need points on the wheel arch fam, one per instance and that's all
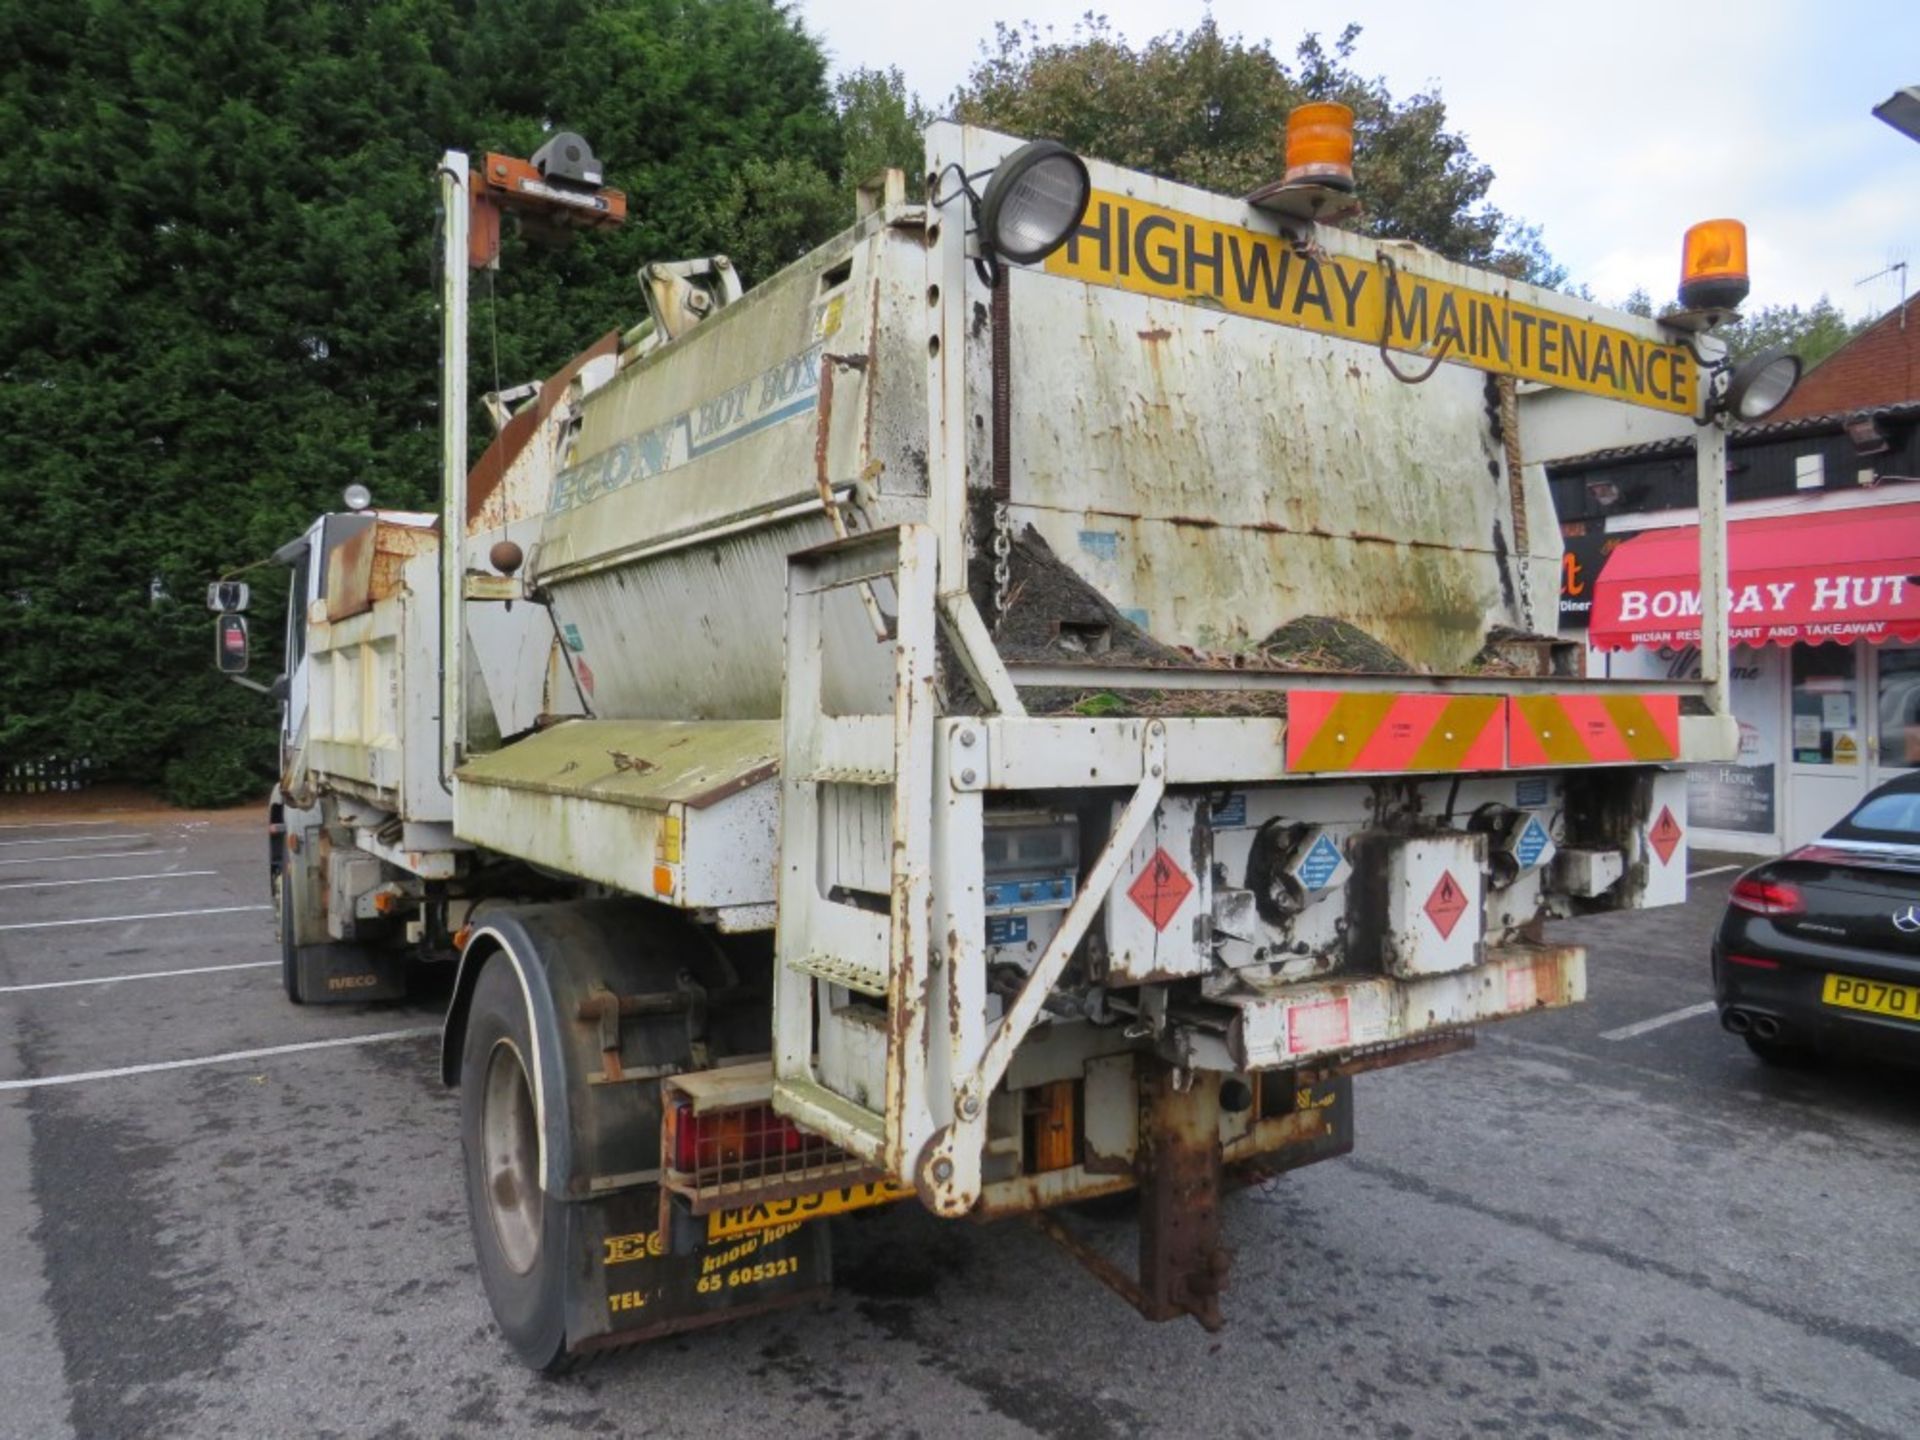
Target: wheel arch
(594, 1136)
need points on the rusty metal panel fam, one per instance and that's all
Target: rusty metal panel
(716, 424)
(349, 589)
(696, 633)
(397, 539)
(647, 764)
(1289, 1024)
(511, 479)
(1216, 477)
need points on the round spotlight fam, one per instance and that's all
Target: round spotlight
(1034, 201)
(1761, 385)
(357, 496)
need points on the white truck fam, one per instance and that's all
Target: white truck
(1020, 706)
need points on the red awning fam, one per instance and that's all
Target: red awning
(1841, 575)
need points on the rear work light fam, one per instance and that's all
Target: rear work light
(737, 1143)
(1768, 897)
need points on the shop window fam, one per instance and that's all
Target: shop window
(1899, 705)
(1825, 729)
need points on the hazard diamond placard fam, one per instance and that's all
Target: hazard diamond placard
(1446, 904)
(1161, 889)
(1665, 835)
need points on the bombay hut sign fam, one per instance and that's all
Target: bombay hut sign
(1838, 575)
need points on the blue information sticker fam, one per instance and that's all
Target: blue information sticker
(1006, 929)
(1231, 811)
(1323, 859)
(1533, 840)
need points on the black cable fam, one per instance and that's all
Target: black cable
(1386, 329)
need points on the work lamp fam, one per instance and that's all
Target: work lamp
(1762, 384)
(1034, 201)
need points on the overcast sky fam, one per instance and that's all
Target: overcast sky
(1613, 127)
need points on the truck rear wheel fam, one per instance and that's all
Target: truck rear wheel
(519, 1231)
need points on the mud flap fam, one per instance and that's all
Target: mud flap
(333, 974)
(627, 1282)
(1283, 1096)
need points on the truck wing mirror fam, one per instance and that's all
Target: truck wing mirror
(227, 596)
(230, 643)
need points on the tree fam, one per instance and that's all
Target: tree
(1812, 333)
(217, 297)
(1209, 109)
(770, 212)
(881, 123)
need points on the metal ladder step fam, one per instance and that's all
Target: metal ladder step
(850, 750)
(811, 1105)
(838, 970)
(882, 778)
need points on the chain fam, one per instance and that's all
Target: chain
(1002, 558)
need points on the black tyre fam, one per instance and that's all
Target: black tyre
(519, 1231)
(1781, 1053)
(289, 959)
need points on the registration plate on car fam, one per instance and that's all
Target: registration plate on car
(1850, 992)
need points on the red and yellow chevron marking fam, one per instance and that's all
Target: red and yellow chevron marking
(1592, 729)
(1335, 730)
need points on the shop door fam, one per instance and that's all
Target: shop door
(1893, 679)
(1827, 738)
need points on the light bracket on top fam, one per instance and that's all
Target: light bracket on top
(1713, 282)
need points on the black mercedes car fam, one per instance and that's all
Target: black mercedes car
(1819, 951)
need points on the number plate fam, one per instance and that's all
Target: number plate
(1877, 997)
(725, 1224)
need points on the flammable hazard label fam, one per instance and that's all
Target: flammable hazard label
(1446, 904)
(1665, 835)
(1161, 889)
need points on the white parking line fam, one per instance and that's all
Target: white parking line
(118, 919)
(137, 975)
(105, 879)
(41, 1081)
(52, 824)
(97, 855)
(1672, 1017)
(79, 839)
(1713, 870)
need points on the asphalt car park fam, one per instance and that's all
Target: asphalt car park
(221, 1215)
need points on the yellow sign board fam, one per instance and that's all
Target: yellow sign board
(724, 1224)
(1133, 245)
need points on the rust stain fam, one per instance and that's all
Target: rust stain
(1024, 1194)
(1155, 335)
(350, 575)
(822, 431)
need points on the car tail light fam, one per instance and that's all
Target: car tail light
(1757, 962)
(1768, 897)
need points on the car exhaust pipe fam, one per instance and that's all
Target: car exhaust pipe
(1737, 1022)
(1766, 1027)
